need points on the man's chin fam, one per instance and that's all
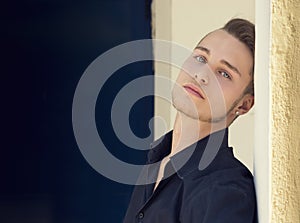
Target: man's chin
(194, 114)
(185, 109)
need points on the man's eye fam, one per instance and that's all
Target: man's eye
(201, 59)
(225, 74)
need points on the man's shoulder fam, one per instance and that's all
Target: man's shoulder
(230, 174)
(227, 194)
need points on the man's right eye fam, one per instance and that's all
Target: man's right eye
(201, 59)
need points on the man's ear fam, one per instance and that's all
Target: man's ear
(246, 104)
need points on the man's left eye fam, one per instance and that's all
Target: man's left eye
(225, 74)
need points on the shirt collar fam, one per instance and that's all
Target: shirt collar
(160, 148)
(188, 160)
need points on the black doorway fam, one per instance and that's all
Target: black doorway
(46, 46)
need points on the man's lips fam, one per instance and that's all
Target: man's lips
(191, 88)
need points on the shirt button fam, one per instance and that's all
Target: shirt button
(141, 215)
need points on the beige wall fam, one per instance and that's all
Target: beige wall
(186, 22)
(285, 133)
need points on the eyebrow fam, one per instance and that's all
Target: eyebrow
(226, 63)
(231, 67)
(203, 49)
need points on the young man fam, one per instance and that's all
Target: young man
(198, 179)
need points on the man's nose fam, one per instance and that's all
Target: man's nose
(203, 74)
(201, 78)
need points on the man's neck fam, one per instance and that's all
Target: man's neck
(187, 131)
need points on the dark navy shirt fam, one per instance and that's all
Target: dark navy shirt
(223, 192)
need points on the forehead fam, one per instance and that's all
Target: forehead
(224, 46)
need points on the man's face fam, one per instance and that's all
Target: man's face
(212, 80)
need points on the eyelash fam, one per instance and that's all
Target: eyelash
(203, 60)
(198, 58)
(227, 75)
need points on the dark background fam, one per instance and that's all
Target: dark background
(45, 47)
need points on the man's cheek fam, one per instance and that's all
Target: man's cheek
(190, 67)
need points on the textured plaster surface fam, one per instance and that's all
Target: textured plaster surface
(285, 79)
